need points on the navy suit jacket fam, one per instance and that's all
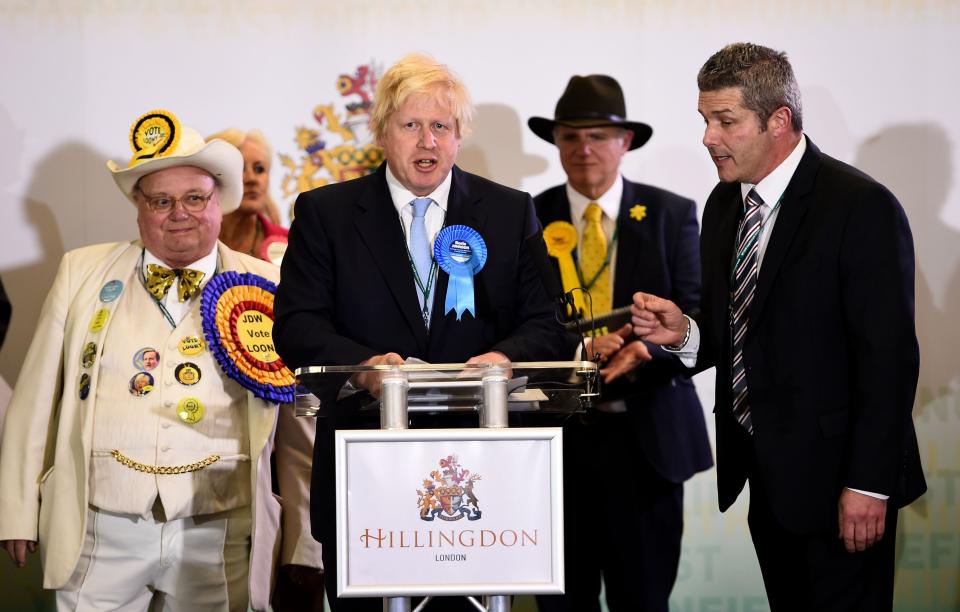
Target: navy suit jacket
(658, 254)
(347, 290)
(831, 353)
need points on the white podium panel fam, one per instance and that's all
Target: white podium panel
(449, 512)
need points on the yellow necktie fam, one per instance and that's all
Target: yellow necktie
(159, 280)
(593, 261)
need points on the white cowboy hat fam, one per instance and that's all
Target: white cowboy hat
(158, 142)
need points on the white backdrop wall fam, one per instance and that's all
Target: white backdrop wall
(880, 89)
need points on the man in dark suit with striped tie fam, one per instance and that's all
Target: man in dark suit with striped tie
(808, 314)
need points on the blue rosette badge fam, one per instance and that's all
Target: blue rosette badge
(460, 252)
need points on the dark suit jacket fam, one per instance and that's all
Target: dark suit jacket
(347, 291)
(831, 353)
(659, 255)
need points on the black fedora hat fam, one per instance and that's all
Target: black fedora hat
(595, 100)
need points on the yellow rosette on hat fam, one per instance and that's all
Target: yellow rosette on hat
(154, 135)
(159, 141)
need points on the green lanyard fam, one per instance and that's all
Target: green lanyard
(606, 262)
(425, 290)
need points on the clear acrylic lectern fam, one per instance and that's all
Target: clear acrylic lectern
(490, 390)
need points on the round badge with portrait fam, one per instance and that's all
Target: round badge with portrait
(140, 384)
(89, 355)
(147, 358)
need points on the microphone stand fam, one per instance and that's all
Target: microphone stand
(592, 377)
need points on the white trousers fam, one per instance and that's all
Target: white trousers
(129, 564)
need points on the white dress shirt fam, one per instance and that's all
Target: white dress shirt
(403, 201)
(610, 204)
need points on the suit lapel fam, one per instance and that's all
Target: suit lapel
(556, 209)
(379, 228)
(631, 238)
(463, 208)
(793, 208)
(727, 237)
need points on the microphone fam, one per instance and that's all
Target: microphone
(564, 299)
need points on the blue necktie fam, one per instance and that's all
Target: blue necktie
(421, 255)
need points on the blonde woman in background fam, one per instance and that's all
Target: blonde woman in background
(254, 228)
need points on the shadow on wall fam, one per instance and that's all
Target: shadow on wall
(55, 198)
(494, 150)
(915, 162)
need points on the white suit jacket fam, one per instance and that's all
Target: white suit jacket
(45, 451)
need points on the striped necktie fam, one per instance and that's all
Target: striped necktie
(741, 296)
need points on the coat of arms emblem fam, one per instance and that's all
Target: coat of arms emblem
(339, 145)
(449, 493)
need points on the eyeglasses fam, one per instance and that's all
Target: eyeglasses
(192, 202)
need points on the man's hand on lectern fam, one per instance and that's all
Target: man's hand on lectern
(371, 380)
(493, 357)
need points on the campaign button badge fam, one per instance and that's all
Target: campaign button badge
(111, 291)
(191, 345)
(99, 320)
(147, 358)
(187, 373)
(141, 383)
(89, 355)
(84, 386)
(190, 410)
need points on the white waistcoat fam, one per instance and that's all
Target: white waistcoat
(146, 426)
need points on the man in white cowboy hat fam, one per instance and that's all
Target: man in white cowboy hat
(611, 237)
(148, 482)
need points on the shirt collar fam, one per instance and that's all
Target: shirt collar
(402, 196)
(609, 201)
(771, 187)
(206, 264)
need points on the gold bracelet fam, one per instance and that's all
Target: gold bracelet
(160, 469)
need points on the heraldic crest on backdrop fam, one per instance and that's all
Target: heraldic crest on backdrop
(338, 145)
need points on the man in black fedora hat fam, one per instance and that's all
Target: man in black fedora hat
(613, 237)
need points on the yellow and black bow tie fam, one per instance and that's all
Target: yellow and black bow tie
(159, 280)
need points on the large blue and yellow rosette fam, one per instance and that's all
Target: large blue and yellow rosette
(460, 252)
(237, 310)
